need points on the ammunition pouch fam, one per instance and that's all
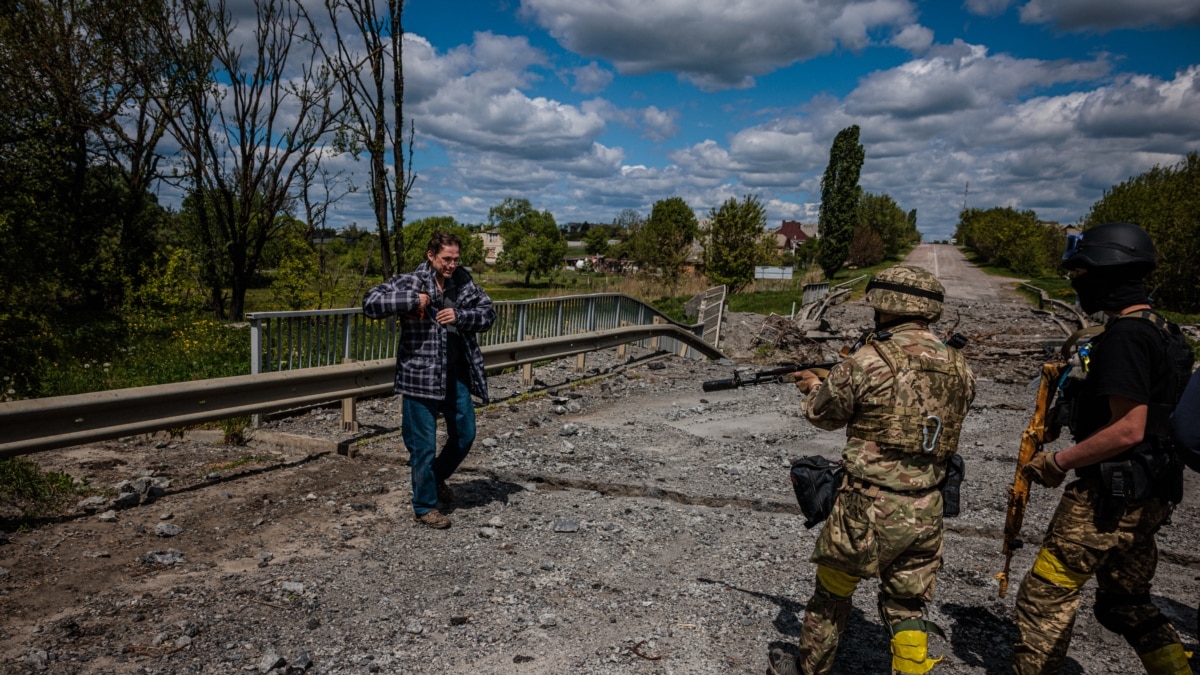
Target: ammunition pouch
(1146, 473)
(816, 480)
(956, 470)
(1118, 480)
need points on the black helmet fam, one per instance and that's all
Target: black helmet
(1110, 245)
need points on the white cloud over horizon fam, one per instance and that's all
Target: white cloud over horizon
(587, 109)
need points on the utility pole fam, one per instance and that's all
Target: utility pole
(966, 190)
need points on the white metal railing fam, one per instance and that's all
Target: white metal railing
(282, 341)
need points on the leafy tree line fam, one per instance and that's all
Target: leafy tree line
(858, 227)
(1164, 200)
(107, 100)
(1006, 237)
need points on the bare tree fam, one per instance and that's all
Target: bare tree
(241, 159)
(362, 76)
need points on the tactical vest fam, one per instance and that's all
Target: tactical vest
(1150, 468)
(1178, 353)
(928, 403)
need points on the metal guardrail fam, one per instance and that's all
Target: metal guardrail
(35, 425)
(281, 341)
(848, 284)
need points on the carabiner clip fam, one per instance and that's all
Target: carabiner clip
(930, 444)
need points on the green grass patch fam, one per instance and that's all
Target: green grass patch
(673, 308)
(154, 352)
(1054, 287)
(33, 492)
(767, 302)
(233, 429)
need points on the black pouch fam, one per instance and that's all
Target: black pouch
(816, 480)
(1118, 482)
(956, 470)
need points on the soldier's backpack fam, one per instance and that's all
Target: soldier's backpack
(815, 481)
(1185, 424)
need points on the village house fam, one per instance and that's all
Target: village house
(792, 233)
(493, 246)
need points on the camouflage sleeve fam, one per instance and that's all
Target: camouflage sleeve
(830, 405)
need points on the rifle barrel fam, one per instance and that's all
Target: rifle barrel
(721, 385)
(763, 376)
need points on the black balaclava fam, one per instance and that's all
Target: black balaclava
(1109, 289)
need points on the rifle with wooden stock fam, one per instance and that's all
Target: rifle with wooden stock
(1032, 440)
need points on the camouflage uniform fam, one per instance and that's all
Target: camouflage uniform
(1123, 560)
(1112, 541)
(887, 520)
(1106, 520)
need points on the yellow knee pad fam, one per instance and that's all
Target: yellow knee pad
(1169, 660)
(910, 652)
(1050, 568)
(836, 582)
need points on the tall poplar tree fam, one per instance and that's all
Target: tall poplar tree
(839, 200)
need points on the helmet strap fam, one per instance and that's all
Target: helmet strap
(907, 290)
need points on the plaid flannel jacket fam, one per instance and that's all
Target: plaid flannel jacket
(421, 359)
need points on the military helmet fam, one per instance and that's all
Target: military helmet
(1110, 245)
(906, 290)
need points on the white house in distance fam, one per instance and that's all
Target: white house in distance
(493, 246)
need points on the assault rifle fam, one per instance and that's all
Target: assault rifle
(779, 374)
(1032, 441)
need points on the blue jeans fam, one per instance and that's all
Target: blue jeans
(418, 427)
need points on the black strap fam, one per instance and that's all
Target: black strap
(1151, 316)
(909, 290)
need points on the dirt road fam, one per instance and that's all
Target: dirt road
(622, 521)
(963, 281)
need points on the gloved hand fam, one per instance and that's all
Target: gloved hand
(1042, 469)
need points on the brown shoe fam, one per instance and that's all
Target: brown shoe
(445, 494)
(434, 519)
(783, 663)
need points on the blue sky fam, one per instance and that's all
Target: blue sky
(589, 107)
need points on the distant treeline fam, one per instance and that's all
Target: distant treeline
(1165, 201)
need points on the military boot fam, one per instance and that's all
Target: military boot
(1169, 660)
(783, 663)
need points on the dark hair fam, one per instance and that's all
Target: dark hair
(441, 240)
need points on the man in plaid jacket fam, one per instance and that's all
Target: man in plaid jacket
(438, 367)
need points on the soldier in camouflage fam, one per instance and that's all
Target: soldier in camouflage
(902, 397)
(1128, 477)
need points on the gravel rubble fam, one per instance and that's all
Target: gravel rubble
(619, 520)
